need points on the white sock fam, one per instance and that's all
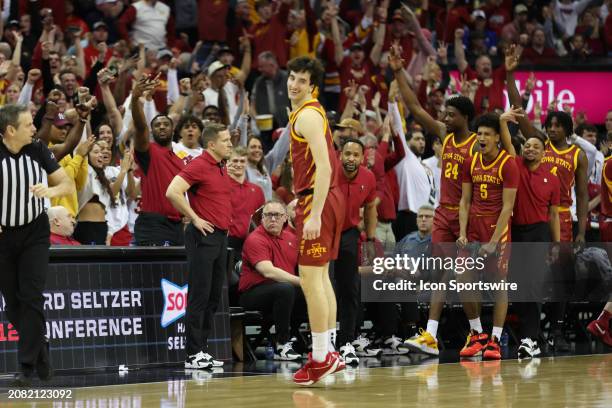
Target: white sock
(497, 332)
(332, 339)
(476, 325)
(432, 327)
(320, 345)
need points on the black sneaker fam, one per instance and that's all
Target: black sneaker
(528, 349)
(285, 352)
(43, 364)
(558, 342)
(23, 379)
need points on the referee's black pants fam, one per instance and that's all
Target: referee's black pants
(207, 263)
(346, 277)
(24, 261)
(527, 269)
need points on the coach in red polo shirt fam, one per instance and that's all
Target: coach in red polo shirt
(246, 198)
(358, 185)
(268, 282)
(206, 180)
(158, 222)
(535, 219)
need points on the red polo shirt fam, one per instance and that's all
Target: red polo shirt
(159, 165)
(210, 192)
(357, 192)
(261, 246)
(246, 199)
(537, 191)
(62, 240)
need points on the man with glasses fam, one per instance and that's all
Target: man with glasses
(268, 282)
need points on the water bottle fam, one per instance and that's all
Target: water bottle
(503, 342)
(166, 243)
(269, 352)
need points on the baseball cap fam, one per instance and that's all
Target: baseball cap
(224, 49)
(164, 53)
(13, 23)
(215, 66)
(350, 124)
(479, 13)
(356, 46)
(60, 120)
(520, 8)
(100, 24)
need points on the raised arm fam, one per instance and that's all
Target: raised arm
(338, 51)
(105, 77)
(141, 130)
(462, 63)
(510, 116)
(512, 59)
(430, 124)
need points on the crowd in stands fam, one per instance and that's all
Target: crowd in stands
(117, 86)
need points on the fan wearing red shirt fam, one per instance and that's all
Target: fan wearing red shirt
(490, 93)
(207, 183)
(487, 199)
(158, 223)
(358, 185)
(458, 146)
(246, 198)
(62, 225)
(268, 282)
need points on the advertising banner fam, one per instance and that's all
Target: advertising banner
(108, 314)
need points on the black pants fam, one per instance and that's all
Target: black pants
(207, 263)
(527, 267)
(236, 244)
(346, 277)
(274, 300)
(404, 224)
(91, 233)
(153, 229)
(24, 261)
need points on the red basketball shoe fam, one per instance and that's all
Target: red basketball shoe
(314, 371)
(475, 344)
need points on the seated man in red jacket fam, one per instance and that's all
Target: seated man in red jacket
(268, 282)
(62, 225)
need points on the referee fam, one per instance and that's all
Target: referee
(209, 207)
(27, 167)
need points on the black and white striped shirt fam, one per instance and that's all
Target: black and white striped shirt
(18, 172)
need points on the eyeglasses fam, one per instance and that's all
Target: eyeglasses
(274, 215)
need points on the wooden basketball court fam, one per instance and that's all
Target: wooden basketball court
(573, 381)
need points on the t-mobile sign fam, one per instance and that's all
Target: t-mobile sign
(588, 92)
